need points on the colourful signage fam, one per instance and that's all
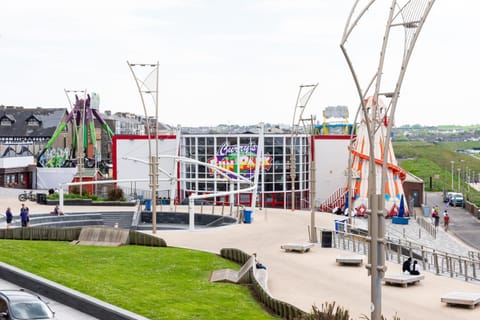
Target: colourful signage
(241, 159)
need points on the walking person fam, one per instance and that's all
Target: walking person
(437, 220)
(446, 220)
(24, 216)
(8, 217)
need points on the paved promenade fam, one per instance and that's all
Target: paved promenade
(314, 278)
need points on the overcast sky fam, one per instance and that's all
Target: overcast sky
(228, 61)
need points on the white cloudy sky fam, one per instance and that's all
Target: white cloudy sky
(227, 61)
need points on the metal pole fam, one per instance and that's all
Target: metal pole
(313, 234)
(452, 162)
(149, 138)
(155, 162)
(459, 170)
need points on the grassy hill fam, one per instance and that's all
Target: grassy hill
(432, 162)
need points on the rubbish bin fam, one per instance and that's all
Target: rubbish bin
(148, 204)
(41, 198)
(426, 211)
(247, 215)
(326, 239)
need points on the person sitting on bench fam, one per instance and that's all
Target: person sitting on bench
(414, 270)
(258, 264)
(406, 265)
(56, 211)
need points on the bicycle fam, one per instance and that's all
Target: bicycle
(27, 196)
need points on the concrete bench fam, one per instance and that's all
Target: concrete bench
(261, 275)
(351, 259)
(230, 275)
(297, 247)
(402, 279)
(470, 299)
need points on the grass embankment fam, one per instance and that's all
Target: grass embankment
(433, 162)
(158, 283)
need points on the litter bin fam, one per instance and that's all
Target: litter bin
(326, 239)
(426, 211)
(148, 204)
(41, 198)
(247, 215)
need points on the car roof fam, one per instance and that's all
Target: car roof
(18, 295)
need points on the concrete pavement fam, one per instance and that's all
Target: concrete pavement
(314, 278)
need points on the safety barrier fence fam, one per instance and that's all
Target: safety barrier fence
(398, 250)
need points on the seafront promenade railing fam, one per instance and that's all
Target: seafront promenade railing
(398, 250)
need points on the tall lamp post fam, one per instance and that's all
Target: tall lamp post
(148, 86)
(452, 162)
(410, 16)
(459, 173)
(462, 173)
(303, 96)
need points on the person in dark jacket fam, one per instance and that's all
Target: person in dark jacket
(8, 217)
(406, 265)
(24, 218)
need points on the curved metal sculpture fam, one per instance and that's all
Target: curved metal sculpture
(82, 115)
(410, 16)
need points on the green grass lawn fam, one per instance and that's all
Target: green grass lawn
(156, 282)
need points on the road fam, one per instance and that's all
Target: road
(62, 312)
(463, 225)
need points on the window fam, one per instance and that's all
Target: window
(5, 122)
(33, 122)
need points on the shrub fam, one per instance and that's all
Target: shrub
(116, 194)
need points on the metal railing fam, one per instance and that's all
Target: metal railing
(398, 250)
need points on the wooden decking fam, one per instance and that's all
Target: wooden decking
(102, 236)
(229, 275)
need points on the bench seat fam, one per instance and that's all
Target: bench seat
(402, 279)
(470, 299)
(298, 247)
(350, 259)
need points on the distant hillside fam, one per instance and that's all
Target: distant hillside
(432, 162)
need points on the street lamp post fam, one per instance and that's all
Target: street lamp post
(452, 162)
(462, 173)
(459, 171)
(411, 17)
(149, 86)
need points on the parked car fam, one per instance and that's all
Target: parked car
(456, 200)
(20, 304)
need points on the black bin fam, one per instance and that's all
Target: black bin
(327, 239)
(41, 198)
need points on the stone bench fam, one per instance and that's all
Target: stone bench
(297, 247)
(402, 279)
(230, 275)
(470, 299)
(351, 259)
(261, 275)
